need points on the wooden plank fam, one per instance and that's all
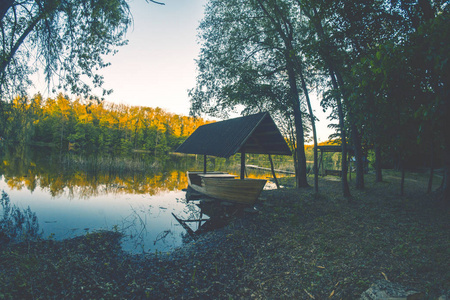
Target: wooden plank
(217, 175)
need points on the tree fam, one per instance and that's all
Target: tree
(249, 57)
(94, 127)
(328, 50)
(400, 85)
(67, 39)
(343, 33)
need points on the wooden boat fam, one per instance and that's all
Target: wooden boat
(225, 186)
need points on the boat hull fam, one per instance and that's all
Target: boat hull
(222, 186)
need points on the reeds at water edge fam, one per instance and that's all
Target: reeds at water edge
(110, 164)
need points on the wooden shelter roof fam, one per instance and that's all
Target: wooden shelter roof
(250, 134)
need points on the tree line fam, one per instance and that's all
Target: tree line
(382, 67)
(91, 126)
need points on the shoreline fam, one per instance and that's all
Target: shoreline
(299, 245)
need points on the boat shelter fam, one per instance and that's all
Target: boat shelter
(257, 134)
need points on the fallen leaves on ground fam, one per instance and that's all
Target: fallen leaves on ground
(300, 245)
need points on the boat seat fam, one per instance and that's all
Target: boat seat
(217, 175)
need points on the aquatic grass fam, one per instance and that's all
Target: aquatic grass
(110, 164)
(17, 225)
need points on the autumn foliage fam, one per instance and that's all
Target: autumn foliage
(89, 126)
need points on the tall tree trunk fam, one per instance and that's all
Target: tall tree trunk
(356, 138)
(332, 72)
(345, 187)
(430, 179)
(378, 172)
(284, 29)
(301, 157)
(357, 148)
(313, 125)
(295, 163)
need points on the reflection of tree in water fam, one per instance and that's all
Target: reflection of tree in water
(136, 228)
(84, 177)
(17, 224)
(202, 216)
(60, 177)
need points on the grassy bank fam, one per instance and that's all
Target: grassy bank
(300, 245)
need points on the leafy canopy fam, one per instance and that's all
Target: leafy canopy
(66, 39)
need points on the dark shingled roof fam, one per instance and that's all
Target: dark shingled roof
(252, 134)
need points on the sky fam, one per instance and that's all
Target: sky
(157, 67)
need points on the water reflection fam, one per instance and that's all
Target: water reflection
(72, 195)
(85, 184)
(142, 218)
(208, 214)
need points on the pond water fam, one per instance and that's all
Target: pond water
(146, 221)
(71, 196)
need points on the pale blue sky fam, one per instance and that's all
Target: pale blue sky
(157, 66)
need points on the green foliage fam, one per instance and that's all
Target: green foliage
(401, 89)
(68, 40)
(388, 62)
(89, 127)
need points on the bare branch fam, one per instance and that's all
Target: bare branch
(156, 2)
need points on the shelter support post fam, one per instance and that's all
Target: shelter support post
(242, 164)
(204, 163)
(321, 162)
(273, 172)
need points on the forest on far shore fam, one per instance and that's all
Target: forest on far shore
(91, 126)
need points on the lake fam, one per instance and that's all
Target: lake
(73, 195)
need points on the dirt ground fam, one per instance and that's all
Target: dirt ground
(300, 245)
